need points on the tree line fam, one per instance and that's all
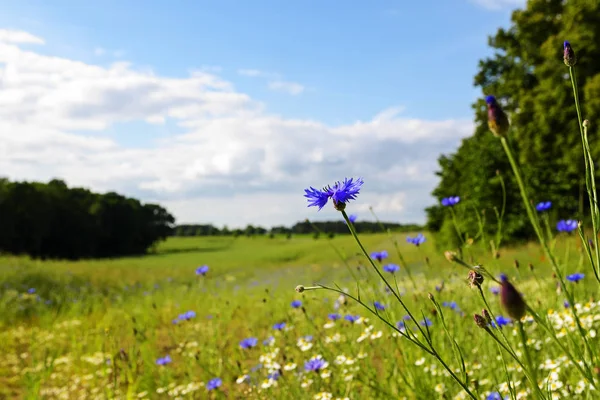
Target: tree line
(51, 220)
(304, 227)
(527, 75)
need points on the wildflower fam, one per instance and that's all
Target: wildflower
(568, 225)
(186, 316)
(163, 360)
(379, 306)
(248, 343)
(334, 317)
(400, 325)
(497, 119)
(242, 379)
(568, 54)
(501, 321)
(450, 304)
(379, 255)
(279, 326)
(269, 341)
(31, 290)
(480, 321)
(391, 268)
(323, 396)
(511, 299)
(214, 383)
(494, 396)
(575, 277)
(300, 288)
(296, 304)
(417, 240)
(495, 290)
(450, 201)
(426, 322)
(543, 206)
(352, 318)
(289, 367)
(340, 194)
(475, 278)
(202, 270)
(450, 255)
(352, 217)
(315, 364)
(566, 304)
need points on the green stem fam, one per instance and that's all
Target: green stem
(523, 337)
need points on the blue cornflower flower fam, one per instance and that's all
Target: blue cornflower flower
(495, 290)
(189, 315)
(248, 343)
(31, 290)
(450, 304)
(352, 318)
(406, 318)
(450, 201)
(315, 364)
(268, 341)
(202, 270)
(379, 305)
(566, 304)
(340, 193)
(568, 54)
(426, 322)
(501, 321)
(274, 375)
(576, 277)
(163, 360)
(568, 225)
(279, 326)
(391, 268)
(400, 325)
(296, 304)
(308, 338)
(417, 240)
(352, 217)
(214, 383)
(379, 255)
(543, 206)
(497, 118)
(495, 396)
(334, 317)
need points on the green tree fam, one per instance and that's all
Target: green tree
(528, 76)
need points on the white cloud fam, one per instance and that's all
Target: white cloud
(499, 4)
(250, 72)
(12, 36)
(232, 161)
(292, 88)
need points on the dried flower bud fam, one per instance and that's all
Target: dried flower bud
(517, 264)
(475, 279)
(299, 288)
(586, 123)
(511, 299)
(480, 321)
(430, 297)
(569, 55)
(497, 118)
(487, 316)
(530, 266)
(450, 255)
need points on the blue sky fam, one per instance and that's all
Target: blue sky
(336, 65)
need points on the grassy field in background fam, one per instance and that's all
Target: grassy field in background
(95, 329)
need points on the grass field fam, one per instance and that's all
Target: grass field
(101, 329)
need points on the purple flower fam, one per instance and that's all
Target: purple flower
(379, 305)
(417, 240)
(296, 304)
(501, 321)
(352, 217)
(163, 360)
(451, 305)
(511, 299)
(31, 290)
(568, 225)
(268, 341)
(495, 290)
(339, 193)
(497, 119)
(274, 375)
(214, 383)
(543, 206)
(334, 317)
(315, 364)
(379, 255)
(450, 201)
(279, 326)
(391, 268)
(568, 54)
(202, 270)
(566, 304)
(248, 343)
(426, 322)
(400, 325)
(576, 277)
(495, 396)
(352, 318)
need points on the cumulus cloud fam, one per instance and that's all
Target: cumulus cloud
(292, 88)
(13, 36)
(231, 162)
(499, 4)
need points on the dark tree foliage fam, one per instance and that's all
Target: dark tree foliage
(54, 221)
(528, 76)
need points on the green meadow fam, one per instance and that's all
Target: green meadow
(100, 329)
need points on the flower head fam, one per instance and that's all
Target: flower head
(426, 322)
(340, 193)
(202, 270)
(379, 255)
(450, 201)
(501, 321)
(352, 217)
(511, 299)
(475, 278)
(379, 306)
(497, 119)
(352, 318)
(163, 360)
(248, 343)
(315, 364)
(279, 326)
(543, 206)
(568, 225)
(296, 304)
(417, 240)
(31, 290)
(391, 268)
(495, 290)
(568, 54)
(576, 277)
(334, 317)
(214, 384)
